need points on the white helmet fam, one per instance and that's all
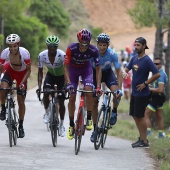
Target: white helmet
(12, 39)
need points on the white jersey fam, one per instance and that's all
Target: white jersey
(57, 68)
(25, 58)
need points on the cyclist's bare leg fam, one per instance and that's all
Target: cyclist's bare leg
(21, 106)
(89, 98)
(3, 93)
(159, 119)
(71, 106)
(61, 108)
(112, 89)
(95, 111)
(46, 101)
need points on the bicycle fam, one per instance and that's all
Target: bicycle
(12, 117)
(54, 112)
(103, 121)
(80, 125)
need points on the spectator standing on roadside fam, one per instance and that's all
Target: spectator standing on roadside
(140, 65)
(157, 100)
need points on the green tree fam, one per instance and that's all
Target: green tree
(52, 13)
(32, 32)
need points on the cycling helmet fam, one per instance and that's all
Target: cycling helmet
(52, 40)
(12, 39)
(103, 37)
(84, 35)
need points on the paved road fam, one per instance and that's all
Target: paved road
(35, 151)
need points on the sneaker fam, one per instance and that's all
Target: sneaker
(89, 125)
(62, 131)
(92, 137)
(70, 133)
(161, 135)
(113, 118)
(135, 142)
(46, 118)
(141, 143)
(3, 115)
(21, 132)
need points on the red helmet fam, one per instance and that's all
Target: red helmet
(84, 35)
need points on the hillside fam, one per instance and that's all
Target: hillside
(112, 17)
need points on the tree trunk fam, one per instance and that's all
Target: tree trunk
(167, 64)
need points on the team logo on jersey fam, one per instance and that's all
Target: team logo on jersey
(135, 67)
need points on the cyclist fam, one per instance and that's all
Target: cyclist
(77, 63)
(107, 57)
(18, 66)
(53, 58)
(155, 105)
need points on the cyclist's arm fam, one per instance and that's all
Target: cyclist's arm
(119, 77)
(98, 75)
(160, 88)
(27, 74)
(40, 77)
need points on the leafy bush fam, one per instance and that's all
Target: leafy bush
(96, 32)
(166, 115)
(32, 32)
(51, 13)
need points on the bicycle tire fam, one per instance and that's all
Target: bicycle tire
(14, 126)
(9, 124)
(99, 129)
(53, 125)
(106, 127)
(79, 127)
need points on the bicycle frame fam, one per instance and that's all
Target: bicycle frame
(12, 118)
(102, 124)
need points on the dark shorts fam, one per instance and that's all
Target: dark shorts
(108, 77)
(138, 106)
(7, 78)
(156, 102)
(51, 80)
(85, 72)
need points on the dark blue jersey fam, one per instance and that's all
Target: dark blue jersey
(140, 71)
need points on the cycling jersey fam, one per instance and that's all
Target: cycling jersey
(25, 58)
(163, 79)
(107, 59)
(79, 59)
(57, 68)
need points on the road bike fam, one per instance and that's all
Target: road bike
(12, 117)
(80, 122)
(53, 112)
(103, 121)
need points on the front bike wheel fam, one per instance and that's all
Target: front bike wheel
(106, 128)
(9, 124)
(79, 127)
(53, 125)
(99, 128)
(14, 126)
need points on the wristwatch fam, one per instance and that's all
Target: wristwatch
(145, 83)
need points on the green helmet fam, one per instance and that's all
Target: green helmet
(52, 40)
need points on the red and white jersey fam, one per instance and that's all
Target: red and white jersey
(25, 58)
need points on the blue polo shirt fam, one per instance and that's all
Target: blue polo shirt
(140, 71)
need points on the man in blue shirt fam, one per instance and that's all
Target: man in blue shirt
(140, 65)
(157, 100)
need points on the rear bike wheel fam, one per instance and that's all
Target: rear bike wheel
(79, 127)
(106, 127)
(9, 124)
(53, 125)
(99, 129)
(14, 126)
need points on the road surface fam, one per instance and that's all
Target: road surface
(35, 151)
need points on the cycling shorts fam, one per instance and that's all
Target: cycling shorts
(156, 102)
(85, 72)
(51, 80)
(138, 105)
(108, 77)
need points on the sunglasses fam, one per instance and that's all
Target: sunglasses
(157, 64)
(52, 46)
